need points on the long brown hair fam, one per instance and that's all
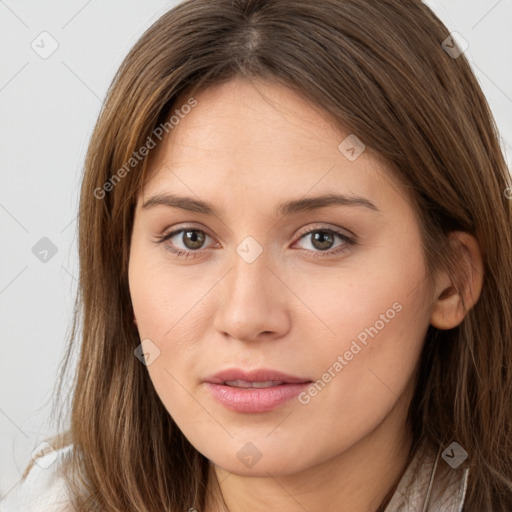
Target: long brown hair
(378, 69)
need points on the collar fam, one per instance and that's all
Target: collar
(425, 486)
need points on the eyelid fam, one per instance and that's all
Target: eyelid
(326, 227)
(173, 230)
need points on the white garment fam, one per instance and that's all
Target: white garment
(45, 490)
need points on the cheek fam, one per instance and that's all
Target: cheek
(169, 307)
(163, 294)
(165, 305)
(382, 293)
(380, 316)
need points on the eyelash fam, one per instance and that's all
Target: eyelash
(348, 242)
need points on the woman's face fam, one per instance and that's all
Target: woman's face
(332, 293)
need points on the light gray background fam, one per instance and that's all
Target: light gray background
(48, 108)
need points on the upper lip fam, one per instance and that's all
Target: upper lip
(258, 375)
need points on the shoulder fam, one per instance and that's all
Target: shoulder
(44, 489)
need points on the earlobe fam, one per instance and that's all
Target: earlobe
(451, 306)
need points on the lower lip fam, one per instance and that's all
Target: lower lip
(255, 400)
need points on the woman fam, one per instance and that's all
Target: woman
(295, 272)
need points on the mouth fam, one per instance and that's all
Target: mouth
(255, 391)
(248, 384)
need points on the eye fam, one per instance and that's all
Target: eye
(191, 240)
(322, 240)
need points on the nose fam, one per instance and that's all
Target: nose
(253, 302)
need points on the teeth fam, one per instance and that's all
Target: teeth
(245, 384)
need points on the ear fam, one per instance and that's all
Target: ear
(448, 308)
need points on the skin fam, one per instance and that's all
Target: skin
(246, 148)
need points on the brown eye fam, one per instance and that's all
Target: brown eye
(322, 240)
(193, 239)
(185, 243)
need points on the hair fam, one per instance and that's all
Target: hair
(376, 69)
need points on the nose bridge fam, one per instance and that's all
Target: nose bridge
(252, 300)
(249, 280)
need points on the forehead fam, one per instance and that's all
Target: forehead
(257, 140)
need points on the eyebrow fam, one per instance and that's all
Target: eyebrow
(284, 209)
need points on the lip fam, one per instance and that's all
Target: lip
(258, 375)
(254, 400)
